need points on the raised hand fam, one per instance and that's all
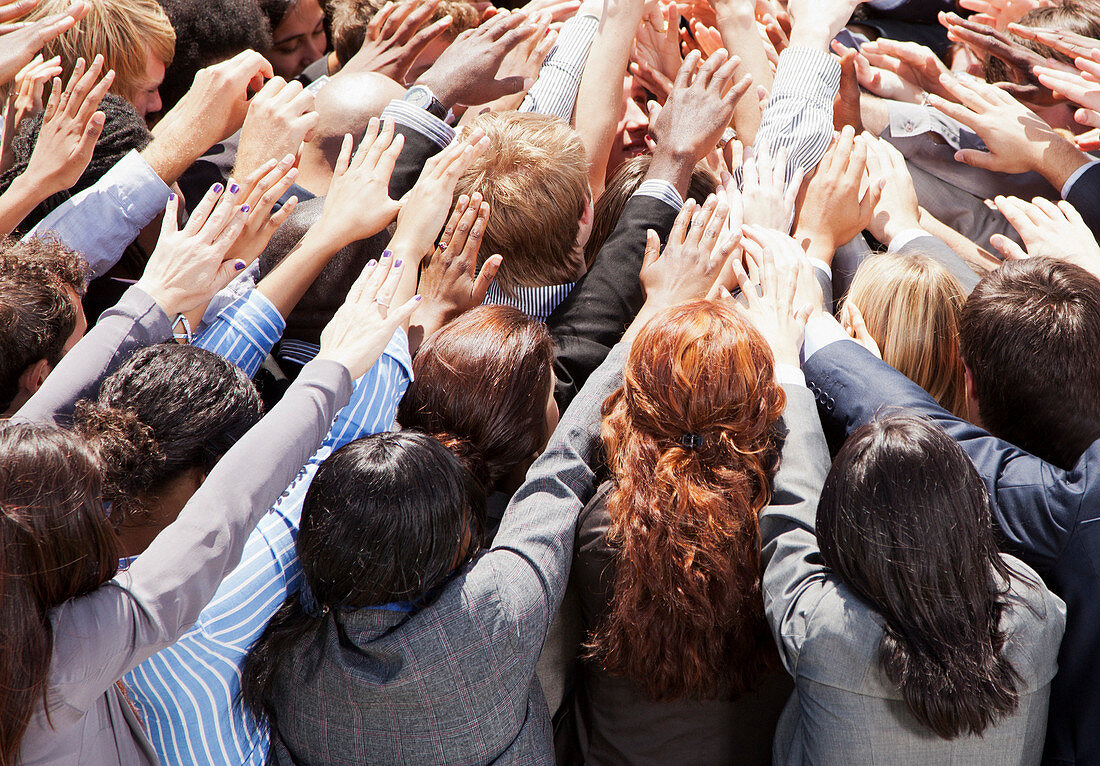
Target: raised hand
(1048, 230)
(190, 265)
(1000, 13)
(1068, 43)
(29, 91)
(358, 203)
(880, 81)
(361, 329)
(396, 36)
(260, 192)
(897, 209)
(656, 56)
(1079, 86)
(985, 41)
(466, 72)
(694, 258)
(425, 208)
(771, 306)
(279, 118)
(910, 62)
(851, 319)
(697, 112)
(767, 196)
(70, 128)
(19, 43)
(450, 282)
(833, 209)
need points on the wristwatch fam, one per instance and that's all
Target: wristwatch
(422, 96)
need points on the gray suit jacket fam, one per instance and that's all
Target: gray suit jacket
(454, 681)
(844, 709)
(101, 636)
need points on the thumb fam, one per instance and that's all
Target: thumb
(485, 278)
(1008, 249)
(652, 249)
(976, 159)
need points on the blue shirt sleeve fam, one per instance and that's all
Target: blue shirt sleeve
(244, 331)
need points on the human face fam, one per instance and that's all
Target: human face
(147, 90)
(633, 127)
(299, 39)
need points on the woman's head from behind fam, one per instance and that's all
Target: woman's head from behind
(912, 305)
(387, 518)
(691, 440)
(56, 545)
(904, 522)
(169, 413)
(483, 385)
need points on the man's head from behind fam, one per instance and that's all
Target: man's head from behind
(535, 178)
(1030, 338)
(41, 318)
(344, 105)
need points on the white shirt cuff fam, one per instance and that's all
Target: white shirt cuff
(904, 237)
(821, 266)
(662, 190)
(789, 375)
(822, 330)
(1076, 174)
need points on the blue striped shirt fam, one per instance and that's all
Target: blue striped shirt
(244, 331)
(187, 693)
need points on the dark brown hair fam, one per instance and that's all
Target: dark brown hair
(904, 522)
(687, 615)
(57, 545)
(1029, 336)
(480, 386)
(37, 310)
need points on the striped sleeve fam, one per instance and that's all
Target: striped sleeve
(244, 332)
(555, 91)
(662, 190)
(799, 112)
(415, 118)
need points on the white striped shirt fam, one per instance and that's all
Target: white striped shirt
(188, 693)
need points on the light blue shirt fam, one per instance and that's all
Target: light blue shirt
(187, 694)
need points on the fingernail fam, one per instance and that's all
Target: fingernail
(417, 298)
(218, 188)
(172, 197)
(239, 265)
(233, 188)
(372, 262)
(245, 208)
(386, 253)
(397, 263)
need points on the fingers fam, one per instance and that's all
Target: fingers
(680, 226)
(652, 249)
(485, 278)
(170, 223)
(1008, 249)
(203, 209)
(272, 187)
(343, 161)
(464, 232)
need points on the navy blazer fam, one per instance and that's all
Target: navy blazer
(1048, 516)
(1085, 196)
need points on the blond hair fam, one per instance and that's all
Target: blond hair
(912, 306)
(121, 30)
(535, 178)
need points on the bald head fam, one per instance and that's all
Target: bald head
(345, 105)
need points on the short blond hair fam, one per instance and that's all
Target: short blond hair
(120, 30)
(535, 178)
(912, 306)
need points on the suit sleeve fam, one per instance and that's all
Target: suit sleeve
(593, 317)
(795, 576)
(1083, 193)
(1035, 504)
(941, 252)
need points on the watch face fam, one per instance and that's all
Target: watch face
(420, 97)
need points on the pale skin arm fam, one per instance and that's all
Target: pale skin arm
(737, 25)
(600, 100)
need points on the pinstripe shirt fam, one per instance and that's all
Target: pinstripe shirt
(244, 331)
(186, 694)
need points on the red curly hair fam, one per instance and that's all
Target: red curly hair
(687, 615)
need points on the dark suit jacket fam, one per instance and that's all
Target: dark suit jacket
(1085, 196)
(591, 320)
(1047, 515)
(941, 252)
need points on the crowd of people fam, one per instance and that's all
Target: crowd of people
(577, 382)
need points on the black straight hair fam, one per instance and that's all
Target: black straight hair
(904, 522)
(387, 518)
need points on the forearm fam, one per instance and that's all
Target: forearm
(137, 321)
(288, 282)
(975, 258)
(555, 91)
(19, 201)
(174, 149)
(737, 26)
(600, 101)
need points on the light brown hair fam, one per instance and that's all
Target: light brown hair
(912, 306)
(535, 177)
(348, 21)
(121, 30)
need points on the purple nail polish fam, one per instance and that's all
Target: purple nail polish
(239, 265)
(372, 263)
(218, 188)
(245, 208)
(397, 263)
(386, 253)
(171, 197)
(233, 188)
(417, 298)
